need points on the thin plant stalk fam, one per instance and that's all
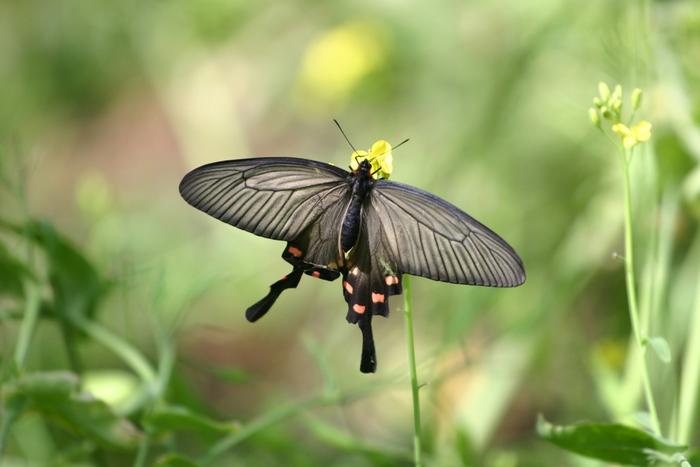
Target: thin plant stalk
(29, 321)
(631, 282)
(26, 331)
(690, 378)
(129, 354)
(407, 308)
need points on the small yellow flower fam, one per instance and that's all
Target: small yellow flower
(379, 156)
(337, 61)
(632, 136)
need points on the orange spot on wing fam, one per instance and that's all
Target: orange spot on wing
(316, 274)
(377, 297)
(359, 309)
(347, 286)
(294, 251)
(391, 280)
(284, 278)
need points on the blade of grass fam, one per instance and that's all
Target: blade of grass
(26, 330)
(120, 347)
(690, 376)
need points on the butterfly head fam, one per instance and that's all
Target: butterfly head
(378, 161)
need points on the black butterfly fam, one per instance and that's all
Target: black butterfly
(337, 222)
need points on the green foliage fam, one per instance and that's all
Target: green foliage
(122, 340)
(611, 442)
(163, 420)
(13, 273)
(57, 397)
(174, 460)
(661, 348)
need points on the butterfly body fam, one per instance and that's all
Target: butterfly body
(339, 223)
(362, 182)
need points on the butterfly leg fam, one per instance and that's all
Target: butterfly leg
(290, 281)
(368, 362)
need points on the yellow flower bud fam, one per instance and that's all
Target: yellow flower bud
(593, 115)
(617, 93)
(636, 98)
(604, 91)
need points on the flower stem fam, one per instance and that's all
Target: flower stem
(412, 368)
(630, 280)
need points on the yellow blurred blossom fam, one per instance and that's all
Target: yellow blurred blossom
(632, 136)
(336, 62)
(379, 156)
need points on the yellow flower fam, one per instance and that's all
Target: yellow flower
(379, 156)
(632, 136)
(337, 61)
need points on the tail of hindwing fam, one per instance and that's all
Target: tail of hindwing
(367, 293)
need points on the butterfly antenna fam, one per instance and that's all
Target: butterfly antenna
(401, 143)
(344, 135)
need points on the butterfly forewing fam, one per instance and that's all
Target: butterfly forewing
(429, 237)
(274, 197)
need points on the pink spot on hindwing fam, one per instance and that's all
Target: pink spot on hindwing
(347, 286)
(294, 251)
(359, 309)
(391, 280)
(377, 297)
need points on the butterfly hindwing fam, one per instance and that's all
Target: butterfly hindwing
(429, 237)
(369, 279)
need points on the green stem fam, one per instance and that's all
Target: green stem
(407, 308)
(284, 412)
(69, 342)
(120, 347)
(29, 321)
(142, 454)
(630, 280)
(271, 418)
(166, 363)
(26, 331)
(690, 378)
(9, 415)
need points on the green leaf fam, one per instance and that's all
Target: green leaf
(228, 374)
(174, 460)
(611, 442)
(45, 385)
(661, 347)
(75, 282)
(383, 454)
(174, 418)
(56, 395)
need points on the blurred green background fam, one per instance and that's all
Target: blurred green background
(104, 106)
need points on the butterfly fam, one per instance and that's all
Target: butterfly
(356, 224)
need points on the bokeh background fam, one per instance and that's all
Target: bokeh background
(104, 106)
